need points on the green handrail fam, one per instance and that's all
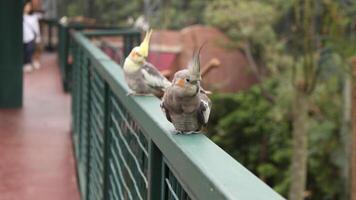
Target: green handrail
(65, 48)
(125, 148)
(50, 24)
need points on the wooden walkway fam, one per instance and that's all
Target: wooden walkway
(36, 155)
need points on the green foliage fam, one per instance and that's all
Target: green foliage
(296, 52)
(245, 125)
(258, 135)
(109, 12)
(243, 20)
(177, 14)
(116, 12)
(172, 14)
(325, 151)
(71, 8)
(250, 25)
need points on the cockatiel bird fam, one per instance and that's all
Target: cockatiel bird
(185, 103)
(141, 76)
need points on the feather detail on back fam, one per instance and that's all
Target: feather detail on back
(153, 77)
(206, 108)
(166, 112)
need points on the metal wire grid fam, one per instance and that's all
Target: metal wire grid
(76, 100)
(128, 162)
(97, 105)
(79, 114)
(173, 190)
(84, 110)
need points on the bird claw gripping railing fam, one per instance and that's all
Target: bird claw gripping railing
(123, 146)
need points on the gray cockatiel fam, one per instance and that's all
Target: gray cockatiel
(142, 77)
(185, 103)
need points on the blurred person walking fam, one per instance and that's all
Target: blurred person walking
(31, 36)
(39, 13)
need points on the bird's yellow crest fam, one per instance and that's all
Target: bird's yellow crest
(145, 44)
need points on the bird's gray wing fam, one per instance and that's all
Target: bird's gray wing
(204, 109)
(166, 111)
(153, 77)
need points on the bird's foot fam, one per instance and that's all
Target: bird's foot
(176, 132)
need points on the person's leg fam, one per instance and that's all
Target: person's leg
(31, 50)
(27, 57)
(36, 57)
(25, 53)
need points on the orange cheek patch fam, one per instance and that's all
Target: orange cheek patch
(133, 54)
(181, 82)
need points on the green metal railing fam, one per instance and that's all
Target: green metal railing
(50, 24)
(125, 148)
(65, 48)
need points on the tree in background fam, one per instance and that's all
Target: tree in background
(116, 12)
(172, 14)
(324, 26)
(305, 73)
(353, 146)
(250, 25)
(108, 12)
(292, 45)
(177, 14)
(342, 33)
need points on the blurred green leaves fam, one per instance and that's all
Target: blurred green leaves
(244, 125)
(257, 132)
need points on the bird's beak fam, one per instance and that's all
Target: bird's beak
(181, 83)
(143, 50)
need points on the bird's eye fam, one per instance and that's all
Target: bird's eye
(188, 80)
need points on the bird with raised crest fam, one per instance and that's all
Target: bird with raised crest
(185, 103)
(142, 77)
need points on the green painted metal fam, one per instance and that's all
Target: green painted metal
(155, 177)
(63, 53)
(11, 54)
(132, 151)
(65, 48)
(131, 37)
(50, 24)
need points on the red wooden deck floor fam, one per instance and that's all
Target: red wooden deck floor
(36, 156)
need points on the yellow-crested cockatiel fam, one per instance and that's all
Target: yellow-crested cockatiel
(141, 76)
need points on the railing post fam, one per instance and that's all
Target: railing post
(79, 105)
(49, 29)
(11, 54)
(154, 172)
(88, 131)
(107, 142)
